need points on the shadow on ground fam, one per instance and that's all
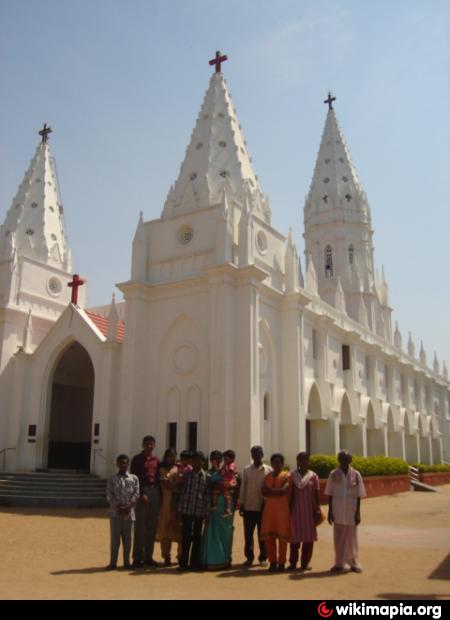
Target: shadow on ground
(443, 570)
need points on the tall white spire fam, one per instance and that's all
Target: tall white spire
(338, 231)
(216, 158)
(34, 222)
(335, 184)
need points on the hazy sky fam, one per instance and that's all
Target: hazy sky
(121, 84)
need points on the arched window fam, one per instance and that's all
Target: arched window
(351, 255)
(328, 262)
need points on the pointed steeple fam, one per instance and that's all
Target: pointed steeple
(35, 218)
(338, 231)
(216, 157)
(444, 370)
(335, 184)
(27, 334)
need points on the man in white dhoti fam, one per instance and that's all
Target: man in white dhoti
(345, 488)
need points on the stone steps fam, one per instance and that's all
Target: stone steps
(63, 489)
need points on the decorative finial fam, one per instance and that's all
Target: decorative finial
(44, 133)
(330, 100)
(218, 60)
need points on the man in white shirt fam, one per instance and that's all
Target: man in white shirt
(251, 503)
(345, 488)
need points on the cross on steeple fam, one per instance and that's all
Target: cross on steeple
(218, 60)
(330, 100)
(74, 285)
(44, 133)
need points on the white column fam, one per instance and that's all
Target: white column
(294, 407)
(222, 356)
(247, 410)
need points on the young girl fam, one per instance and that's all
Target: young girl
(229, 475)
(276, 520)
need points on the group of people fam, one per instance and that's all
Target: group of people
(178, 502)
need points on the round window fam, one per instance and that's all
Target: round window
(261, 242)
(54, 286)
(185, 234)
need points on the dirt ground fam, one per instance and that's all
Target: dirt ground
(60, 554)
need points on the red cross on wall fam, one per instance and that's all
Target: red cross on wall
(218, 60)
(76, 282)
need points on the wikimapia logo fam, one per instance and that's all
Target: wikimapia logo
(324, 611)
(361, 609)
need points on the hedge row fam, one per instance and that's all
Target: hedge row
(370, 466)
(431, 469)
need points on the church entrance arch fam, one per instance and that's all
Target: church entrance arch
(72, 398)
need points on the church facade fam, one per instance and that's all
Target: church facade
(221, 342)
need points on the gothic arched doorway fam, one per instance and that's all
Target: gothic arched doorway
(72, 397)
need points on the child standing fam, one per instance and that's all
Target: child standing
(229, 475)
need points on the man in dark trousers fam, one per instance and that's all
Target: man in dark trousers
(194, 506)
(251, 503)
(145, 467)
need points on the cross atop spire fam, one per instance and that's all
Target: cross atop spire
(74, 285)
(44, 133)
(218, 60)
(330, 100)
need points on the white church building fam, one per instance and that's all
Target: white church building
(221, 342)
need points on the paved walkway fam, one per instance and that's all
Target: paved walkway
(404, 548)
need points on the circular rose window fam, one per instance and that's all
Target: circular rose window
(185, 234)
(54, 286)
(261, 242)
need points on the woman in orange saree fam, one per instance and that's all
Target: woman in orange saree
(276, 519)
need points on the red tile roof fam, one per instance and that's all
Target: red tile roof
(102, 323)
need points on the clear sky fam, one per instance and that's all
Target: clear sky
(121, 84)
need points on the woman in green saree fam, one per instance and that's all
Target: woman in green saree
(218, 538)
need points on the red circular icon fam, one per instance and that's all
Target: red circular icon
(323, 611)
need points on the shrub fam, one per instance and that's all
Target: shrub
(431, 469)
(367, 466)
